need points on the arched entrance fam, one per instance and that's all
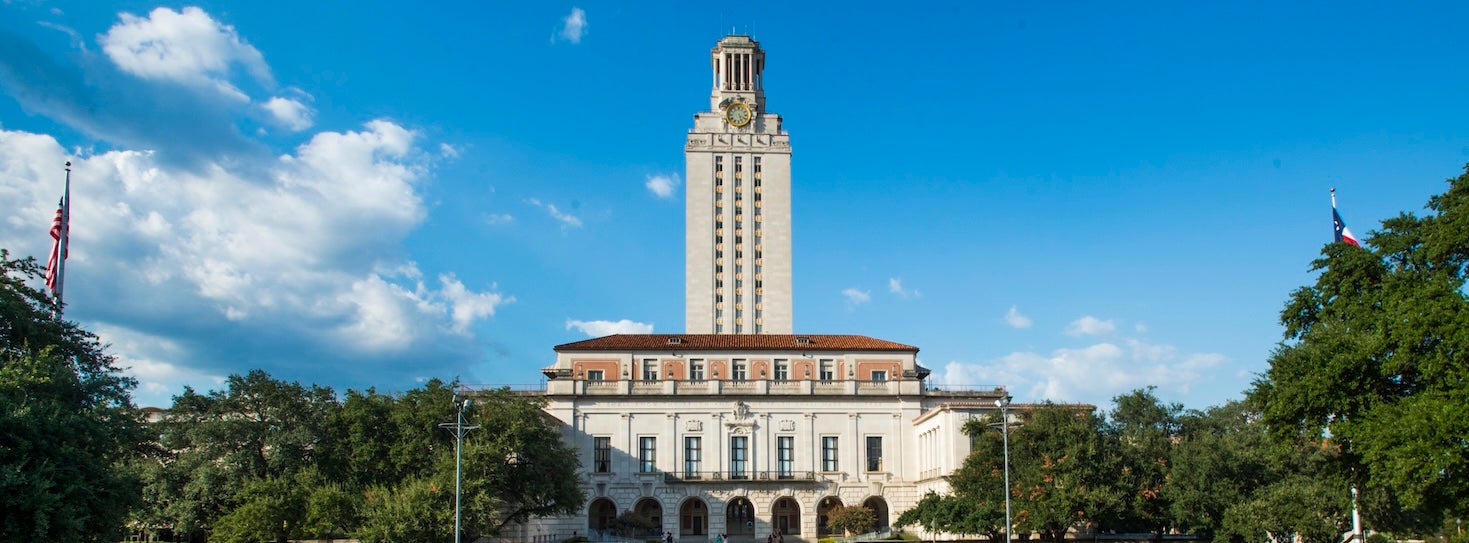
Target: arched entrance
(879, 508)
(600, 517)
(652, 511)
(693, 517)
(739, 517)
(786, 516)
(823, 512)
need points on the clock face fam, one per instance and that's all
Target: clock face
(737, 114)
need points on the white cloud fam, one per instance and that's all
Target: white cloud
(567, 220)
(449, 151)
(856, 297)
(1093, 374)
(297, 256)
(662, 186)
(187, 47)
(499, 218)
(895, 286)
(466, 306)
(1090, 326)
(289, 112)
(1140, 327)
(1017, 320)
(607, 328)
(574, 26)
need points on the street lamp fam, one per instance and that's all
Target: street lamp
(1003, 404)
(458, 428)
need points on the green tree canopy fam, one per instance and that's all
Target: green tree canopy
(1374, 359)
(66, 421)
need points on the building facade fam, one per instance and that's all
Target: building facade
(746, 435)
(740, 427)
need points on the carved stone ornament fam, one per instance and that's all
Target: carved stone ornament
(741, 411)
(787, 425)
(694, 426)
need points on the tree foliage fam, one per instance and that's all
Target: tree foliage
(67, 423)
(1374, 359)
(1057, 474)
(1141, 430)
(851, 519)
(264, 459)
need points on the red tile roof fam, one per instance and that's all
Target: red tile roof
(744, 342)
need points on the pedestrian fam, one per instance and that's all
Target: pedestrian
(719, 538)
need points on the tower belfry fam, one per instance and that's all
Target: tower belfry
(738, 209)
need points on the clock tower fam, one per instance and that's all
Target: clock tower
(738, 217)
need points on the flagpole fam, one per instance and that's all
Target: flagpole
(1333, 197)
(65, 234)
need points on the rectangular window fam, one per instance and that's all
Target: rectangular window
(647, 454)
(879, 375)
(595, 375)
(602, 454)
(829, 453)
(739, 450)
(828, 369)
(650, 369)
(874, 453)
(741, 370)
(696, 369)
(691, 455)
(785, 457)
(782, 366)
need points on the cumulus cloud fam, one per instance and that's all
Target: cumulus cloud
(188, 47)
(289, 112)
(607, 328)
(857, 297)
(895, 286)
(662, 186)
(297, 257)
(1017, 320)
(1092, 374)
(574, 25)
(567, 220)
(1090, 326)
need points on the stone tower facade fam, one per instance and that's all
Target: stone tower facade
(738, 216)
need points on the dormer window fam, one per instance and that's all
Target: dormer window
(675, 341)
(803, 340)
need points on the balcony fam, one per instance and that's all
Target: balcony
(725, 477)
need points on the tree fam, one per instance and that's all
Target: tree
(1374, 360)
(257, 429)
(1222, 457)
(1141, 430)
(1057, 470)
(1297, 506)
(417, 509)
(67, 423)
(272, 508)
(851, 519)
(516, 466)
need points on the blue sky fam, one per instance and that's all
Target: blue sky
(1071, 200)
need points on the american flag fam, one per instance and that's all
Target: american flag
(58, 248)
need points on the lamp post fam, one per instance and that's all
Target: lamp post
(1003, 404)
(459, 429)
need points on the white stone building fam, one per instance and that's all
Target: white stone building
(739, 426)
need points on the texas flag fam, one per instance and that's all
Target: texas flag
(1342, 232)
